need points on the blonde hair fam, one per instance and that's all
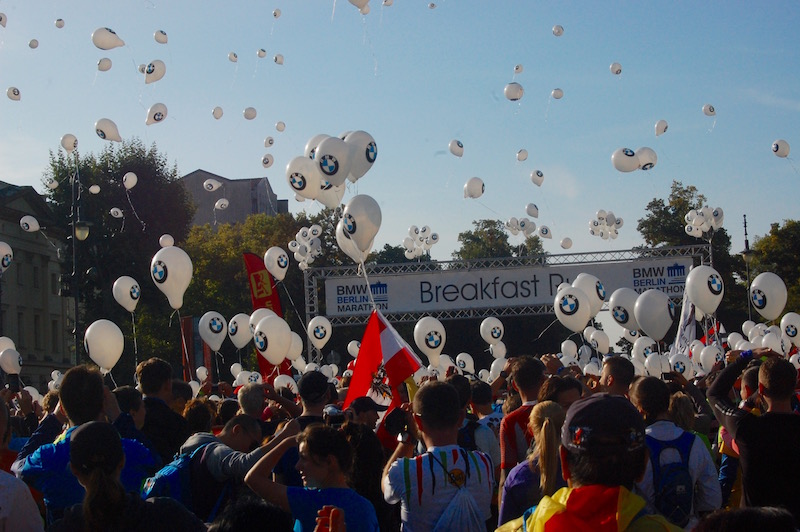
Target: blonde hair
(681, 410)
(545, 423)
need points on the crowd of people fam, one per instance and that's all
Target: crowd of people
(543, 447)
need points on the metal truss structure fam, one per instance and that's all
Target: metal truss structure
(314, 279)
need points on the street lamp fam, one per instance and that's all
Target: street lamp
(80, 231)
(747, 256)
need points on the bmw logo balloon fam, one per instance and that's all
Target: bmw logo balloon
(159, 272)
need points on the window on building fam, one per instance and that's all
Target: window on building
(37, 332)
(20, 329)
(20, 276)
(53, 284)
(55, 337)
(35, 270)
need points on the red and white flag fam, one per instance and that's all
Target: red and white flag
(383, 347)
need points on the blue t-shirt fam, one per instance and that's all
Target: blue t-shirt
(359, 514)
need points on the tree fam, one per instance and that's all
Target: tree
(777, 252)
(158, 204)
(664, 224)
(489, 239)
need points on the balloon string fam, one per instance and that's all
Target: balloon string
(144, 226)
(135, 345)
(545, 329)
(110, 376)
(216, 362)
(333, 12)
(369, 290)
(48, 239)
(183, 340)
(239, 355)
(291, 301)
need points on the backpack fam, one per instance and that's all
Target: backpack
(466, 435)
(181, 480)
(462, 512)
(673, 486)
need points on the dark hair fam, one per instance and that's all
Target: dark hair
(437, 404)
(555, 386)
(7, 413)
(50, 401)
(528, 373)
(81, 394)
(750, 378)
(511, 403)
(248, 423)
(129, 398)
(610, 469)
(199, 414)
(461, 384)
(249, 512)
(651, 395)
(621, 369)
(368, 459)
(181, 390)
(322, 440)
(747, 519)
(152, 374)
(481, 393)
(226, 410)
(778, 377)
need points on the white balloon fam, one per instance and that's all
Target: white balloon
(272, 338)
(29, 224)
(166, 240)
(104, 344)
(616, 69)
(280, 126)
(566, 243)
(572, 308)
(6, 256)
(622, 304)
(537, 177)
(13, 94)
(661, 127)
(353, 347)
(790, 325)
(269, 142)
(465, 363)
(545, 232)
(304, 177)
(768, 293)
(296, 347)
(286, 381)
(532, 210)
(239, 330)
(557, 94)
(654, 312)
(456, 148)
(492, 330)
(106, 39)
(10, 361)
(216, 112)
(710, 355)
(680, 363)
(258, 315)
(364, 152)
(157, 113)
(7, 343)
(106, 129)
(195, 388)
(278, 59)
(249, 113)
(522, 155)
(498, 350)
(709, 110)
(319, 331)
(430, 337)
(276, 261)
(232, 57)
(513, 91)
(705, 288)
(333, 160)
(474, 188)
(625, 160)
(647, 158)
(594, 289)
(59, 23)
(600, 342)
(780, 148)
(154, 71)
(129, 180)
(126, 292)
(171, 271)
(69, 142)
(558, 30)
(212, 329)
(160, 37)
(361, 220)
(657, 364)
(104, 64)
(347, 245)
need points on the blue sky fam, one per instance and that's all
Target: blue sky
(416, 78)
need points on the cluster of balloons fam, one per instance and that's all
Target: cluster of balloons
(327, 162)
(10, 359)
(356, 230)
(701, 223)
(474, 188)
(605, 225)
(418, 241)
(627, 160)
(575, 304)
(492, 332)
(306, 245)
(523, 225)
(55, 380)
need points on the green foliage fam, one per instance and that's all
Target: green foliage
(489, 239)
(778, 252)
(117, 247)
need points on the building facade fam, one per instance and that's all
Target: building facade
(32, 313)
(244, 197)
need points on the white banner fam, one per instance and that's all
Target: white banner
(492, 287)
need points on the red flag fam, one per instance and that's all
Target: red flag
(264, 294)
(381, 346)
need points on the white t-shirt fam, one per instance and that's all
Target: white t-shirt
(424, 489)
(493, 421)
(18, 512)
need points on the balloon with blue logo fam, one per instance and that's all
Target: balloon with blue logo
(272, 338)
(29, 224)
(319, 331)
(6, 257)
(106, 129)
(361, 221)
(332, 158)
(680, 363)
(625, 160)
(621, 305)
(465, 363)
(347, 245)
(363, 153)
(276, 261)
(213, 328)
(594, 290)
(304, 177)
(352, 348)
(106, 39)
(239, 330)
(104, 343)
(600, 342)
(474, 188)
(258, 315)
(126, 292)
(705, 288)
(768, 295)
(492, 330)
(154, 71)
(430, 337)
(643, 347)
(571, 306)
(790, 326)
(171, 271)
(456, 147)
(654, 312)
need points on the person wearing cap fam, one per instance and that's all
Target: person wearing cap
(603, 453)
(768, 444)
(96, 459)
(365, 411)
(314, 394)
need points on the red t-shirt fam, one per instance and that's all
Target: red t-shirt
(515, 438)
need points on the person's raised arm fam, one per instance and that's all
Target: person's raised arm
(259, 478)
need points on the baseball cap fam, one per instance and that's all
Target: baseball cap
(362, 404)
(603, 423)
(312, 386)
(95, 445)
